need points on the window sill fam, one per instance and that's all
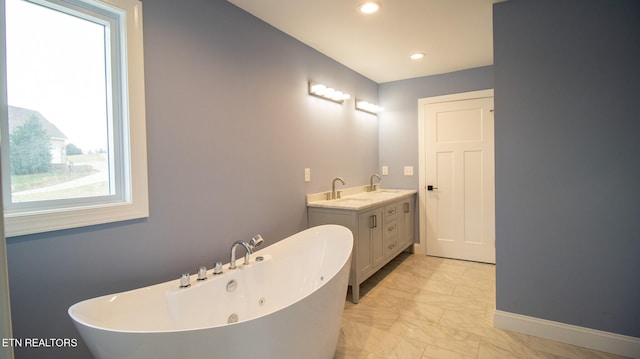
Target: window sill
(45, 221)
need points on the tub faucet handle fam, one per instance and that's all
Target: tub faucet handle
(202, 273)
(217, 269)
(185, 280)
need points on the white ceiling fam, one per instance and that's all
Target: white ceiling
(454, 34)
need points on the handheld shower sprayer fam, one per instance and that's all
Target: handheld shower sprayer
(255, 241)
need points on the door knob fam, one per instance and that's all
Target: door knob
(431, 188)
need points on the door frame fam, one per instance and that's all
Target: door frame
(421, 246)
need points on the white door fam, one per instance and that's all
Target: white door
(459, 195)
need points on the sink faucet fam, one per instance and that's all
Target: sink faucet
(248, 249)
(335, 195)
(371, 186)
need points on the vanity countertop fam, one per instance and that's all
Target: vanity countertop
(358, 199)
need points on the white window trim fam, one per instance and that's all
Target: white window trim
(137, 205)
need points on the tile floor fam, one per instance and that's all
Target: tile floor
(427, 307)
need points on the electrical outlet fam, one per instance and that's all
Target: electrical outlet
(408, 170)
(307, 174)
(385, 170)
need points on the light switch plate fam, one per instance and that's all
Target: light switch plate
(307, 174)
(408, 170)
(385, 170)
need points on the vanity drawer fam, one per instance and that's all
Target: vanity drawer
(390, 229)
(390, 237)
(390, 212)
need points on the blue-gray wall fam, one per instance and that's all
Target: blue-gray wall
(567, 132)
(399, 122)
(230, 129)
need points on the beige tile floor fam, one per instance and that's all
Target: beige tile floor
(427, 307)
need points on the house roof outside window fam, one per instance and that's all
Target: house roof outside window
(19, 115)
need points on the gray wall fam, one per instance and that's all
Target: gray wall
(230, 129)
(567, 85)
(399, 121)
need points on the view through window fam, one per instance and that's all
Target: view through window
(60, 130)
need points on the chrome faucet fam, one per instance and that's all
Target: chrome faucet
(335, 194)
(371, 186)
(254, 242)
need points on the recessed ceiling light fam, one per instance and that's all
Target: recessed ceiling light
(370, 7)
(417, 56)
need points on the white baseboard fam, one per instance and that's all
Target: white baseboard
(570, 334)
(419, 249)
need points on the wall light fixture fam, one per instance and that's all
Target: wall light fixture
(368, 107)
(327, 93)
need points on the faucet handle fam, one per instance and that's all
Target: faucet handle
(185, 280)
(202, 273)
(218, 268)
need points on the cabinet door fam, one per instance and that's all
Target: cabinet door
(369, 241)
(407, 221)
(377, 239)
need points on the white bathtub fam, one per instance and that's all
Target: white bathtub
(289, 305)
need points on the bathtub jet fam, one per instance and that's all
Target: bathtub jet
(289, 298)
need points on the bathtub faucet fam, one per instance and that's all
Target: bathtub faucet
(254, 242)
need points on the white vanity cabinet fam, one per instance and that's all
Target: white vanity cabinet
(382, 229)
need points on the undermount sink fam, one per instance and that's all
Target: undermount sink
(351, 199)
(388, 191)
(380, 193)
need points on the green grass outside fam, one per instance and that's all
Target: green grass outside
(75, 192)
(57, 175)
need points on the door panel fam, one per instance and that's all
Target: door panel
(458, 126)
(444, 208)
(459, 164)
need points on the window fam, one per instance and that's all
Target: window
(73, 127)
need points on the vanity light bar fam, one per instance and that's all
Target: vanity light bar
(368, 107)
(327, 93)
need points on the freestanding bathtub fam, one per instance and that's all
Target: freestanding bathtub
(286, 303)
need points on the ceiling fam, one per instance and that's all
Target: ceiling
(454, 34)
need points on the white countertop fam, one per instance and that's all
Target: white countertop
(357, 198)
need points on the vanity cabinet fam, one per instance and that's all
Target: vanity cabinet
(380, 232)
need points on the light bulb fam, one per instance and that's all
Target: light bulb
(370, 7)
(318, 89)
